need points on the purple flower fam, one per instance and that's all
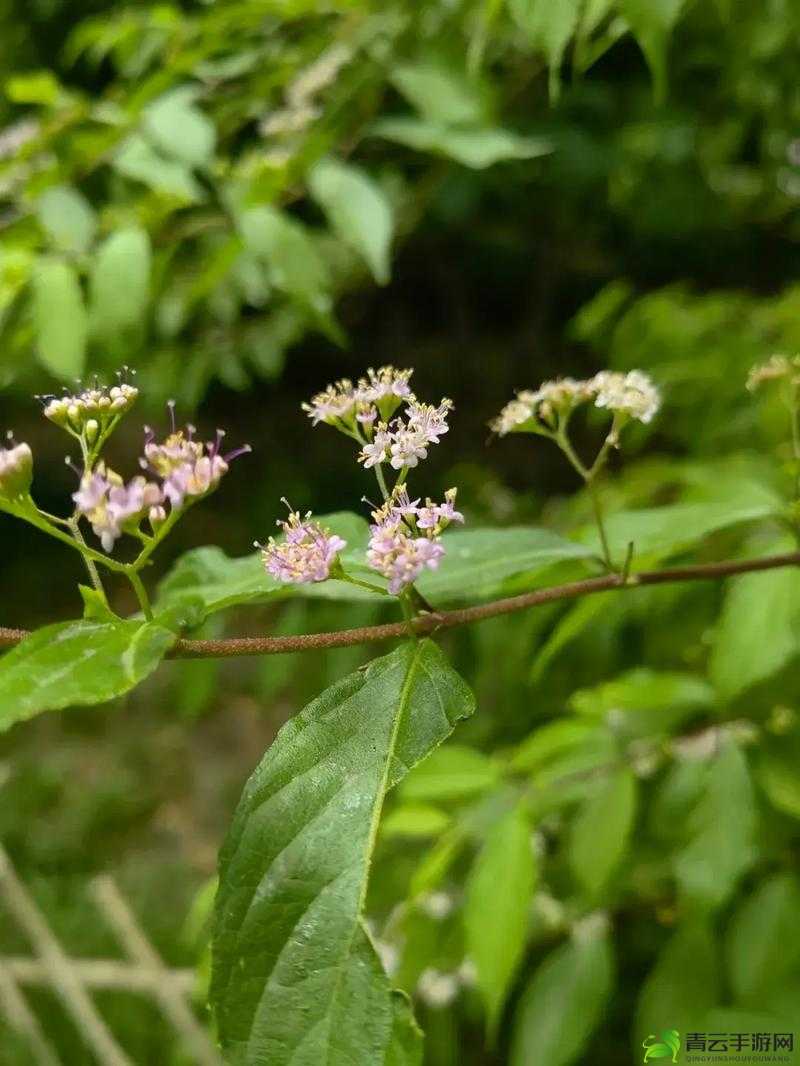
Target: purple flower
(400, 556)
(187, 467)
(375, 452)
(111, 506)
(305, 555)
(428, 420)
(439, 515)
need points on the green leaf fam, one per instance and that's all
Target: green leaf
(599, 835)
(721, 830)
(296, 266)
(645, 702)
(440, 94)
(563, 1002)
(451, 772)
(59, 318)
(552, 740)
(758, 631)
(357, 209)
(681, 987)
(67, 217)
(763, 945)
(663, 531)
(119, 282)
(497, 907)
(136, 158)
(180, 129)
(294, 973)
(475, 148)
(651, 22)
(776, 771)
(35, 87)
(74, 663)
(549, 26)
(479, 561)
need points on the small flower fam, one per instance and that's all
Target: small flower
(384, 390)
(187, 467)
(776, 368)
(334, 404)
(305, 555)
(517, 416)
(533, 411)
(429, 420)
(407, 447)
(92, 410)
(113, 507)
(377, 450)
(16, 470)
(400, 556)
(437, 516)
(632, 394)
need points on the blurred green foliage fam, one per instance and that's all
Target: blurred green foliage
(245, 199)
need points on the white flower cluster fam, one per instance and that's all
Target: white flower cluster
(777, 368)
(632, 395)
(91, 411)
(375, 398)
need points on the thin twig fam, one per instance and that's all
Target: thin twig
(343, 638)
(21, 1018)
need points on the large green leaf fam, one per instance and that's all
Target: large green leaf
(600, 832)
(119, 281)
(68, 218)
(564, 1001)
(497, 908)
(763, 942)
(357, 209)
(179, 128)
(295, 978)
(77, 663)
(59, 318)
(721, 832)
(758, 631)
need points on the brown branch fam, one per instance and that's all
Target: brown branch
(341, 638)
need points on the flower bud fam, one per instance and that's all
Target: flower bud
(16, 471)
(91, 429)
(156, 516)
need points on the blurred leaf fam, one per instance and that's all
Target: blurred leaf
(179, 128)
(77, 663)
(119, 282)
(682, 986)
(600, 831)
(564, 1000)
(451, 772)
(551, 740)
(645, 702)
(59, 318)
(36, 87)
(439, 94)
(414, 820)
(496, 909)
(721, 832)
(294, 867)
(549, 26)
(651, 22)
(67, 217)
(569, 626)
(763, 942)
(137, 159)
(475, 148)
(758, 631)
(295, 265)
(357, 210)
(776, 771)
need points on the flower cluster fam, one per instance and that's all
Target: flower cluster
(631, 395)
(16, 470)
(374, 399)
(185, 468)
(92, 412)
(113, 507)
(404, 537)
(777, 368)
(306, 553)
(405, 534)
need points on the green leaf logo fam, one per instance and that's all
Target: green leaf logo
(667, 1047)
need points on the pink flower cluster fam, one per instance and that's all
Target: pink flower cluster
(403, 442)
(185, 467)
(306, 553)
(404, 537)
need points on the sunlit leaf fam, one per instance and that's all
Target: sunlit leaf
(137, 158)
(451, 772)
(59, 318)
(475, 148)
(67, 217)
(763, 942)
(601, 829)
(179, 128)
(296, 265)
(119, 282)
